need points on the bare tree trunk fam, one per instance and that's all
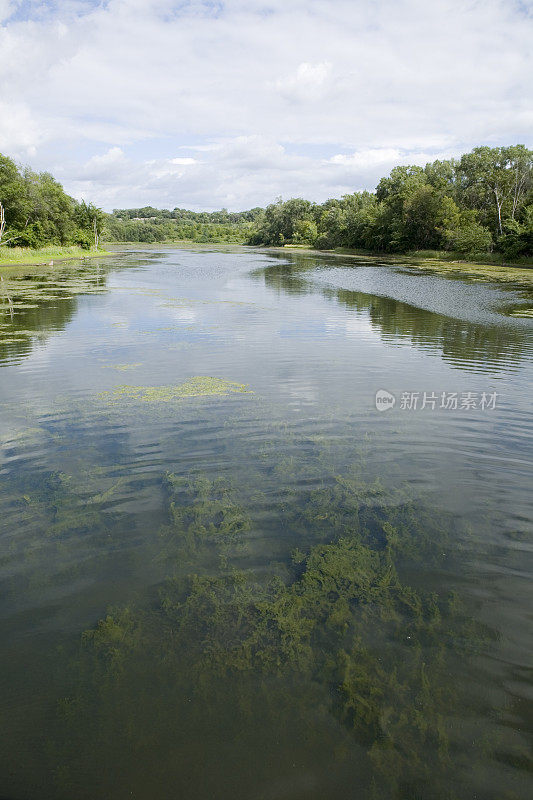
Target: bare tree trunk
(499, 207)
(515, 194)
(519, 187)
(3, 226)
(95, 227)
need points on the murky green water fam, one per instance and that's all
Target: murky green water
(224, 573)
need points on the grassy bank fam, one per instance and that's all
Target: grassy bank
(26, 255)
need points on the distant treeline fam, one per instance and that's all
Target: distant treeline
(150, 224)
(36, 212)
(480, 203)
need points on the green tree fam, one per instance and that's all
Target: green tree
(13, 197)
(495, 181)
(469, 236)
(90, 220)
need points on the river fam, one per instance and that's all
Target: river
(227, 570)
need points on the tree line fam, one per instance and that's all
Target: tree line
(35, 211)
(478, 203)
(149, 224)
(482, 202)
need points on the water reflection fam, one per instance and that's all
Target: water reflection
(40, 301)
(465, 345)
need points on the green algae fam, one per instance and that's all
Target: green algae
(314, 635)
(206, 522)
(56, 519)
(102, 497)
(122, 367)
(199, 386)
(325, 645)
(337, 633)
(475, 272)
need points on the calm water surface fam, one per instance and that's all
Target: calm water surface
(256, 585)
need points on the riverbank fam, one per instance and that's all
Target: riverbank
(12, 256)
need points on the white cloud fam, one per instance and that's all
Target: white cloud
(18, 131)
(309, 82)
(368, 158)
(183, 161)
(248, 85)
(234, 173)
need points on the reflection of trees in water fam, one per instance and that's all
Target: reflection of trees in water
(460, 342)
(42, 301)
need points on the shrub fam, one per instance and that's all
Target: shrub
(471, 238)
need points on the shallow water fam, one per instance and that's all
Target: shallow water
(223, 572)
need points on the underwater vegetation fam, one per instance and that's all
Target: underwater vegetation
(330, 648)
(59, 518)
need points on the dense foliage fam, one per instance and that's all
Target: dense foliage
(476, 204)
(481, 202)
(38, 212)
(158, 225)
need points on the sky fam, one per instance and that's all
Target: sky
(208, 105)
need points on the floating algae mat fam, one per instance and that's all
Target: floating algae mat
(477, 272)
(200, 386)
(122, 367)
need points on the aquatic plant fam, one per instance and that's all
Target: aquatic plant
(122, 367)
(334, 627)
(205, 520)
(59, 519)
(200, 386)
